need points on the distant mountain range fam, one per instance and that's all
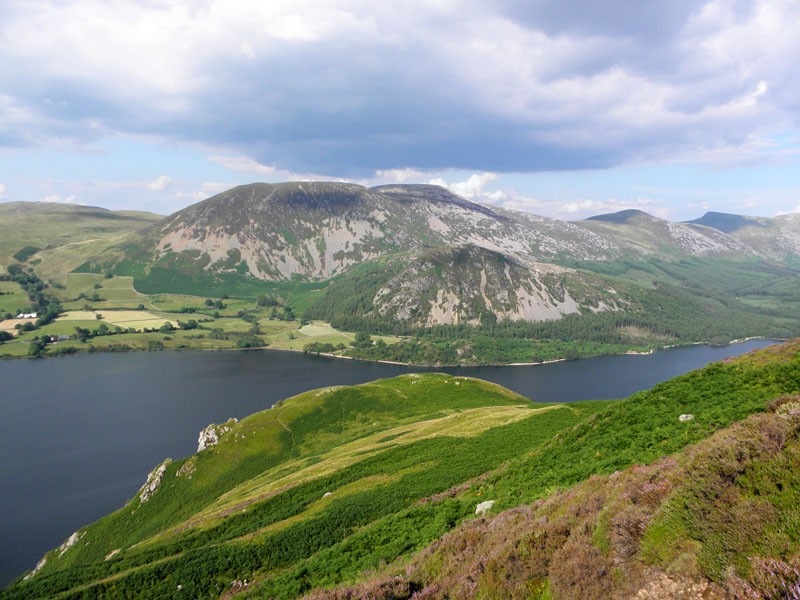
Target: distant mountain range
(444, 259)
(422, 256)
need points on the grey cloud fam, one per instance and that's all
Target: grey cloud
(415, 96)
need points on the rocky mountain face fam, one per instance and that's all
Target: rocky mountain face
(463, 284)
(457, 259)
(776, 238)
(317, 230)
(641, 233)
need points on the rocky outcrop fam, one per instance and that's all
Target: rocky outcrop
(210, 435)
(154, 480)
(36, 569)
(69, 543)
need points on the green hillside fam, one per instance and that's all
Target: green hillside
(58, 237)
(342, 484)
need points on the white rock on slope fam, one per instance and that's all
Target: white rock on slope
(154, 480)
(210, 435)
(71, 541)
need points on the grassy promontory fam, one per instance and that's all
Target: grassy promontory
(375, 486)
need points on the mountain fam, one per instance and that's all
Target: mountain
(316, 230)
(467, 284)
(713, 234)
(776, 238)
(639, 232)
(434, 486)
(397, 258)
(726, 222)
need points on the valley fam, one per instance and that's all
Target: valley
(402, 273)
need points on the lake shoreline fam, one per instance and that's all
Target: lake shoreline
(100, 350)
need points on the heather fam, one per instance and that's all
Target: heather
(717, 519)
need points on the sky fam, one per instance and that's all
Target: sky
(564, 108)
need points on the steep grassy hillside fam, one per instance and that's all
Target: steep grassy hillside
(340, 484)
(716, 520)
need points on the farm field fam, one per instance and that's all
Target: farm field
(138, 319)
(13, 299)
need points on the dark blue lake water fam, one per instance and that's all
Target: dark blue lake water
(78, 435)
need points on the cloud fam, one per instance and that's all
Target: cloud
(159, 184)
(792, 211)
(340, 90)
(573, 209)
(242, 164)
(58, 198)
(3, 194)
(405, 175)
(207, 189)
(747, 204)
(470, 188)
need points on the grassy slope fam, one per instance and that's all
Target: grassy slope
(616, 435)
(66, 234)
(256, 505)
(717, 519)
(267, 449)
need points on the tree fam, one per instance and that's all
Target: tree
(108, 275)
(363, 340)
(36, 348)
(264, 300)
(5, 336)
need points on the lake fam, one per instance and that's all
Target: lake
(78, 435)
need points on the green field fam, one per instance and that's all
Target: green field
(13, 299)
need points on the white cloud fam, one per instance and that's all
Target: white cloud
(242, 164)
(207, 189)
(791, 211)
(159, 184)
(470, 188)
(747, 204)
(58, 198)
(400, 175)
(579, 208)
(3, 194)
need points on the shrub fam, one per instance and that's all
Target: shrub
(579, 570)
